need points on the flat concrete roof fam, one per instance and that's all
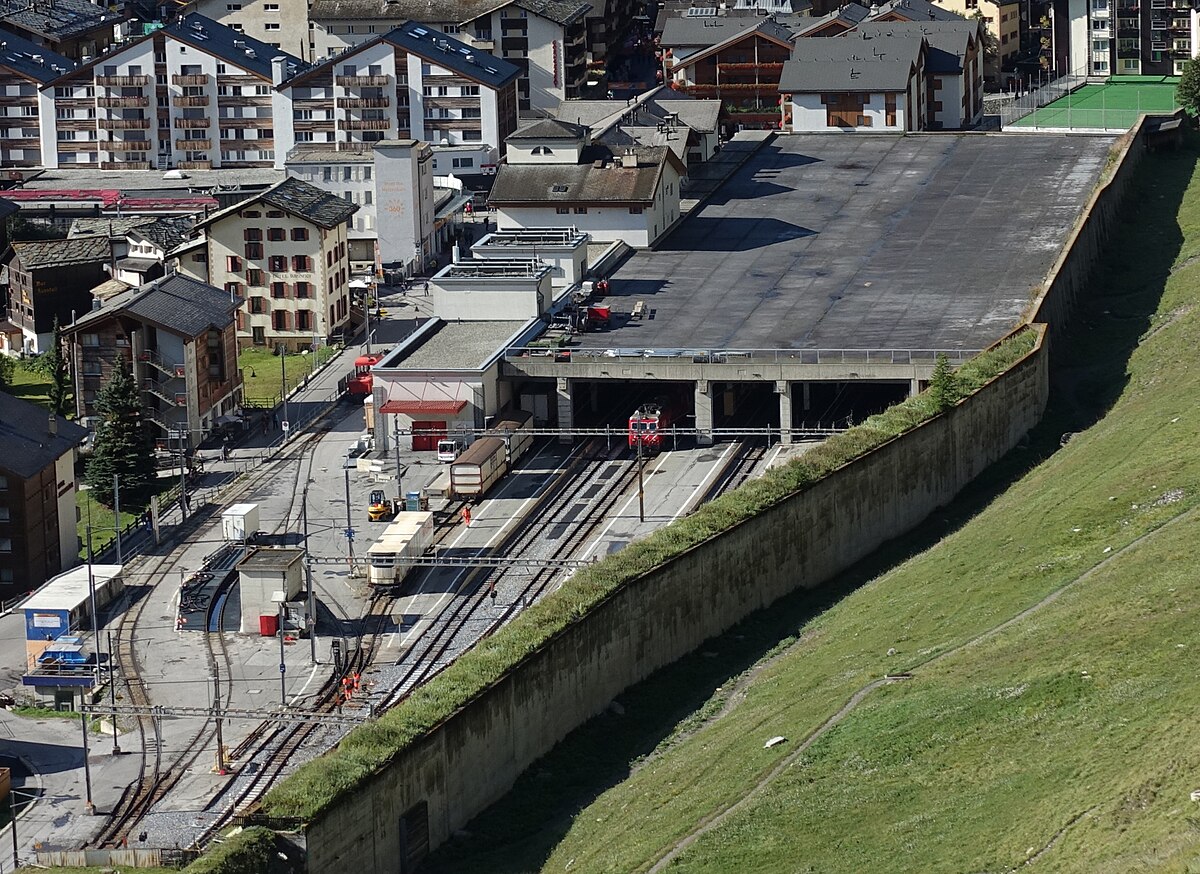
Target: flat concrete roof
(457, 346)
(141, 180)
(861, 242)
(270, 558)
(70, 589)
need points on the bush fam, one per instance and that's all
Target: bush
(318, 783)
(253, 850)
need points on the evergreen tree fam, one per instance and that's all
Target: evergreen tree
(943, 386)
(123, 444)
(56, 368)
(8, 368)
(1188, 91)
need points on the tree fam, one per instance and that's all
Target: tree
(1188, 91)
(943, 386)
(7, 367)
(123, 444)
(991, 43)
(56, 368)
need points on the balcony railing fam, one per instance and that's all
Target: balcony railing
(191, 123)
(194, 165)
(365, 102)
(364, 124)
(156, 388)
(200, 100)
(121, 102)
(122, 81)
(123, 123)
(172, 370)
(189, 79)
(360, 81)
(193, 145)
(124, 165)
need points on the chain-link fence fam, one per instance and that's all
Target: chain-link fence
(1045, 91)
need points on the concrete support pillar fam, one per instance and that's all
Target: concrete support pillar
(914, 387)
(783, 388)
(704, 412)
(806, 395)
(566, 418)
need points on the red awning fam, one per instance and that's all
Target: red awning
(412, 407)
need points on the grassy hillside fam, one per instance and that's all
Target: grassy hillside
(1048, 621)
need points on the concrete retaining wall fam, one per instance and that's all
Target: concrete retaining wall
(472, 759)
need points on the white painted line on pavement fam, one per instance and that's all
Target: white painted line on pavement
(312, 675)
(774, 455)
(720, 464)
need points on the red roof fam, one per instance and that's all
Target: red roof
(414, 406)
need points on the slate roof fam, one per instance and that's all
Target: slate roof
(647, 109)
(38, 254)
(917, 10)
(435, 47)
(177, 303)
(850, 63)
(298, 198)
(109, 227)
(948, 40)
(704, 32)
(550, 129)
(18, 55)
(218, 40)
(58, 21)
(26, 445)
(166, 232)
(456, 11)
(849, 15)
(583, 182)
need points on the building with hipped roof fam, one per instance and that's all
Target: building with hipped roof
(285, 252)
(557, 177)
(48, 280)
(547, 39)
(179, 337)
(38, 537)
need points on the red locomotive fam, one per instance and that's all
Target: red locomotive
(361, 383)
(649, 424)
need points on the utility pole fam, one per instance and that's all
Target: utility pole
(12, 815)
(282, 662)
(117, 513)
(399, 482)
(641, 485)
(367, 310)
(349, 526)
(112, 695)
(217, 714)
(88, 807)
(182, 476)
(284, 389)
(312, 601)
(92, 597)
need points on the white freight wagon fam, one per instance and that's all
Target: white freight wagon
(391, 557)
(516, 429)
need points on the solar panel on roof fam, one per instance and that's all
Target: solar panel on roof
(701, 11)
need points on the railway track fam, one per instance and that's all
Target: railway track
(154, 781)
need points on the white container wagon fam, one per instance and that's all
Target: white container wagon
(390, 558)
(478, 469)
(516, 429)
(240, 522)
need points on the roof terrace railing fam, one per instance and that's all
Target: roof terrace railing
(692, 355)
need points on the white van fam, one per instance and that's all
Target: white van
(449, 450)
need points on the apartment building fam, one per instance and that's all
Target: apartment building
(1130, 37)
(350, 174)
(286, 253)
(193, 95)
(546, 39)
(410, 83)
(78, 29)
(38, 537)
(282, 24)
(47, 280)
(178, 336)
(26, 111)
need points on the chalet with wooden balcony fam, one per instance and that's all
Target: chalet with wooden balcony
(734, 59)
(179, 336)
(410, 83)
(51, 279)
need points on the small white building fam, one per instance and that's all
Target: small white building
(262, 575)
(557, 177)
(492, 290)
(406, 211)
(563, 250)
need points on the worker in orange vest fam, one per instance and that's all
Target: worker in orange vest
(466, 514)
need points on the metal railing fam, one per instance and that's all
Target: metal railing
(1047, 90)
(573, 354)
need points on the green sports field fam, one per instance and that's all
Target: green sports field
(1114, 105)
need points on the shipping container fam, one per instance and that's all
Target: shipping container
(479, 468)
(391, 557)
(240, 522)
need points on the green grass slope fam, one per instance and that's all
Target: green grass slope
(1048, 620)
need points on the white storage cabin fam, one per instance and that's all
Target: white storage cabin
(239, 522)
(262, 574)
(390, 559)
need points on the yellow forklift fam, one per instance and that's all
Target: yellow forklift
(381, 507)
